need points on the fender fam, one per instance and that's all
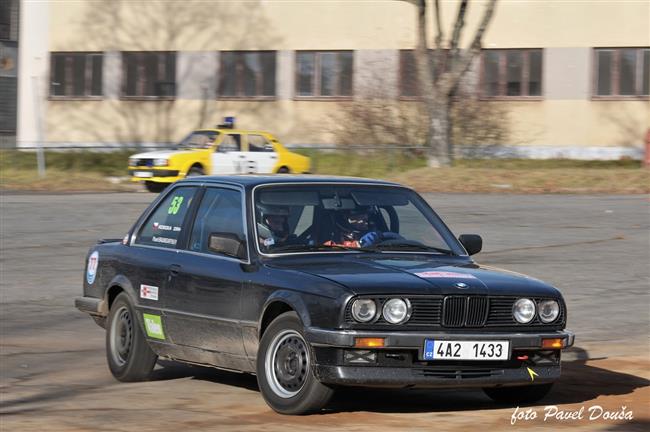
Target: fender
(293, 300)
(124, 283)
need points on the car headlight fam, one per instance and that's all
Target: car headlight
(364, 310)
(160, 162)
(524, 310)
(548, 311)
(396, 311)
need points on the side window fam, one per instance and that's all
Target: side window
(220, 213)
(230, 143)
(163, 228)
(258, 143)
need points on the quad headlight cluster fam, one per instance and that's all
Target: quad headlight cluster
(393, 311)
(524, 310)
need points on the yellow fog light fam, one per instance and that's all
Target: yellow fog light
(368, 342)
(553, 343)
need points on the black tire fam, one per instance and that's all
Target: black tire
(284, 369)
(284, 170)
(155, 187)
(519, 394)
(195, 171)
(129, 356)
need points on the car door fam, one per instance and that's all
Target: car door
(228, 157)
(204, 304)
(261, 154)
(154, 250)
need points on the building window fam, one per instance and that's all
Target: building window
(622, 72)
(76, 75)
(511, 73)
(247, 74)
(324, 74)
(408, 72)
(149, 74)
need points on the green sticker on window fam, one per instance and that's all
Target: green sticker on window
(153, 326)
(175, 205)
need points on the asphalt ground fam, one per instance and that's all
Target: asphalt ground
(53, 374)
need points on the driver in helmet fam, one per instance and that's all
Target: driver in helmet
(353, 229)
(274, 226)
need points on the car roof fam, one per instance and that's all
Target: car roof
(252, 180)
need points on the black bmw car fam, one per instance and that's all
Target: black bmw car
(312, 283)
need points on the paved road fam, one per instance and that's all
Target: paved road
(596, 249)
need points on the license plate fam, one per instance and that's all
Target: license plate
(465, 350)
(143, 174)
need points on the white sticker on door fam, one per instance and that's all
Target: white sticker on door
(149, 292)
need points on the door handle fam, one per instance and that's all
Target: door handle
(174, 269)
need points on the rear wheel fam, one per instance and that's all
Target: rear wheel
(284, 170)
(154, 186)
(520, 394)
(284, 369)
(129, 356)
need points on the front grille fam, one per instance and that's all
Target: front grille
(465, 311)
(459, 312)
(457, 373)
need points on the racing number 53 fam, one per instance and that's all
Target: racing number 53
(175, 205)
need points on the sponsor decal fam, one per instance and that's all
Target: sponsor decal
(149, 292)
(161, 227)
(91, 272)
(153, 326)
(165, 240)
(443, 274)
(175, 205)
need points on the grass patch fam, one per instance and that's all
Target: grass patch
(87, 170)
(112, 163)
(538, 180)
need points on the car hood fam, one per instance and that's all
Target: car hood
(443, 276)
(160, 154)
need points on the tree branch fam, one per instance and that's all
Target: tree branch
(474, 50)
(423, 57)
(458, 28)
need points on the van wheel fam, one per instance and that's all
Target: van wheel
(283, 170)
(129, 356)
(195, 171)
(155, 187)
(518, 394)
(284, 369)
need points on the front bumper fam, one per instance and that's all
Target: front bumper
(399, 363)
(158, 175)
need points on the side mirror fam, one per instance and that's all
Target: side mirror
(227, 244)
(473, 243)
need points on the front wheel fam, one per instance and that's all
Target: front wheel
(195, 171)
(154, 186)
(520, 394)
(284, 369)
(129, 356)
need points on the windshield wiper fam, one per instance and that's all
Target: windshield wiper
(316, 248)
(412, 247)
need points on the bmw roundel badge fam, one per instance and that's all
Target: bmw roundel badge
(461, 285)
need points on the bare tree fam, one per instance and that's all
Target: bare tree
(441, 69)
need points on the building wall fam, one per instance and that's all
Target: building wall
(566, 116)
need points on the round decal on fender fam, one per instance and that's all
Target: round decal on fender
(93, 261)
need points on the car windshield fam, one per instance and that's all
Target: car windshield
(198, 140)
(364, 218)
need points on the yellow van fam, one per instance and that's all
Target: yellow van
(219, 151)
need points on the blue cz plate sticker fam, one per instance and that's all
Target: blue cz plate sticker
(465, 350)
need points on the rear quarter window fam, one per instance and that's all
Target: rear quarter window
(163, 227)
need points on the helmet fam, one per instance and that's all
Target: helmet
(275, 218)
(355, 220)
